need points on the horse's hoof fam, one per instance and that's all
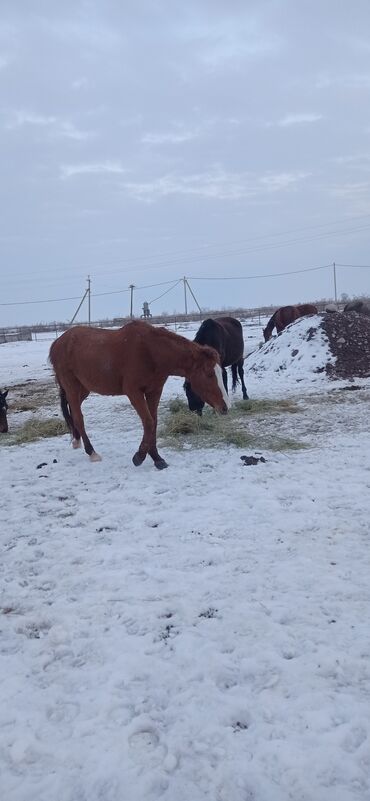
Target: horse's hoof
(160, 464)
(94, 457)
(138, 458)
(76, 443)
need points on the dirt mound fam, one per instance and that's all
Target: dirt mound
(299, 353)
(317, 348)
(349, 341)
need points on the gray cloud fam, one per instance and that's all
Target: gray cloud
(298, 118)
(94, 168)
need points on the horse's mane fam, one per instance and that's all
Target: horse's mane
(271, 323)
(166, 334)
(207, 325)
(157, 330)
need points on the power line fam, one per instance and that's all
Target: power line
(78, 297)
(356, 266)
(186, 259)
(185, 256)
(138, 288)
(249, 277)
(175, 282)
(166, 292)
(167, 254)
(29, 302)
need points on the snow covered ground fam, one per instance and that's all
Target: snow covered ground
(197, 633)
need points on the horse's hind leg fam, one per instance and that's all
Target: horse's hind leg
(76, 436)
(75, 396)
(241, 376)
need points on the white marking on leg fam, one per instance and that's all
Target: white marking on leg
(221, 384)
(76, 443)
(94, 457)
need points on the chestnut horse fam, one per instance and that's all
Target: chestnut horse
(3, 411)
(225, 334)
(286, 315)
(135, 360)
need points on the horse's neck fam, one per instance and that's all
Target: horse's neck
(179, 358)
(271, 324)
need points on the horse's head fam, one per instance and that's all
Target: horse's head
(3, 411)
(194, 401)
(267, 334)
(204, 382)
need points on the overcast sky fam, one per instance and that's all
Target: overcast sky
(141, 141)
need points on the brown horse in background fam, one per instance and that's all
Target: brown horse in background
(286, 315)
(135, 360)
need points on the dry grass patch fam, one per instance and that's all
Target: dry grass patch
(182, 427)
(33, 430)
(266, 406)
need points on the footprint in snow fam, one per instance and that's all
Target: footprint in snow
(147, 749)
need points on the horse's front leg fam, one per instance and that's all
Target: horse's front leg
(224, 378)
(153, 399)
(241, 376)
(138, 401)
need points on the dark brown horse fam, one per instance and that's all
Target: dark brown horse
(225, 334)
(286, 315)
(3, 411)
(135, 360)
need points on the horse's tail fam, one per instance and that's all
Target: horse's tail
(65, 407)
(234, 373)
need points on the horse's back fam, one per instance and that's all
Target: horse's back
(94, 357)
(307, 308)
(81, 339)
(224, 334)
(284, 316)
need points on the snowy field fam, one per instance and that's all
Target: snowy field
(196, 634)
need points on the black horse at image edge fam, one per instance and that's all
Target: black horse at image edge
(3, 411)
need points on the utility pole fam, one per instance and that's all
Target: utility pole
(335, 284)
(192, 293)
(86, 293)
(131, 288)
(89, 298)
(185, 296)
